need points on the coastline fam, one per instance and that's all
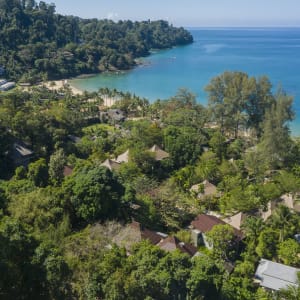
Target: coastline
(55, 85)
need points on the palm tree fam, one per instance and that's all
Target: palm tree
(282, 219)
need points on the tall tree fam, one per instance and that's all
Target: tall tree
(275, 141)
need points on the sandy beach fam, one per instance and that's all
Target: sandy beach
(58, 84)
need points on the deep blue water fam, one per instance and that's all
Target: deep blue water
(274, 52)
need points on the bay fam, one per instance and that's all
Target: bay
(257, 51)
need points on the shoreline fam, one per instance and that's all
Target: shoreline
(60, 84)
(55, 85)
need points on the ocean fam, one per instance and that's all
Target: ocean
(274, 52)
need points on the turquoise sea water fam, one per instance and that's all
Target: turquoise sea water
(274, 52)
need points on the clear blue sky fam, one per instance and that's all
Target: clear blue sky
(189, 12)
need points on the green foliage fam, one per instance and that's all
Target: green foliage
(239, 101)
(275, 142)
(267, 240)
(205, 279)
(38, 44)
(18, 270)
(56, 166)
(288, 252)
(222, 239)
(38, 173)
(95, 194)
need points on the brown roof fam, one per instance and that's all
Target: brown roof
(205, 223)
(159, 153)
(146, 234)
(172, 243)
(68, 171)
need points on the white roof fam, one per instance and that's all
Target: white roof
(276, 276)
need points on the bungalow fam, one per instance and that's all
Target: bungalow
(124, 157)
(236, 220)
(172, 243)
(111, 164)
(203, 224)
(159, 154)
(134, 233)
(20, 154)
(204, 189)
(287, 200)
(274, 276)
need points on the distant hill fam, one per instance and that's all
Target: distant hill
(36, 43)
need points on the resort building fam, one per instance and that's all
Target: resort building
(274, 276)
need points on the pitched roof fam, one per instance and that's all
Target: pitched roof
(111, 164)
(209, 189)
(22, 150)
(146, 234)
(276, 276)
(236, 220)
(159, 153)
(124, 157)
(205, 223)
(172, 243)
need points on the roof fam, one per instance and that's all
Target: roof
(172, 243)
(111, 164)
(276, 276)
(205, 223)
(271, 206)
(68, 171)
(236, 220)
(209, 188)
(75, 139)
(159, 153)
(124, 157)
(22, 150)
(146, 234)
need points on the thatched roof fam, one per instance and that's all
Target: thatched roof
(111, 164)
(209, 189)
(124, 157)
(159, 153)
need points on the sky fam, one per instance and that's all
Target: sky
(189, 13)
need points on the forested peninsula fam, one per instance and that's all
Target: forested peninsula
(155, 201)
(36, 43)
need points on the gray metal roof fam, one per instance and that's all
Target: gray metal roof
(276, 276)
